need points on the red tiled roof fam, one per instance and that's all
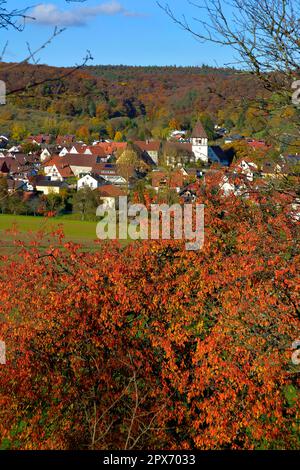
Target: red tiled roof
(65, 139)
(258, 144)
(149, 146)
(40, 138)
(174, 180)
(110, 190)
(72, 159)
(110, 147)
(96, 150)
(65, 172)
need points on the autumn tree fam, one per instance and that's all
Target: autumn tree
(18, 132)
(52, 203)
(29, 147)
(150, 346)
(118, 136)
(85, 202)
(83, 133)
(15, 203)
(102, 111)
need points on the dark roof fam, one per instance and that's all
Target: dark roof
(107, 169)
(3, 167)
(222, 156)
(13, 184)
(182, 148)
(96, 177)
(235, 137)
(44, 181)
(199, 131)
(11, 164)
(293, 158)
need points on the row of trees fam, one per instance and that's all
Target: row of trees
(82, 203)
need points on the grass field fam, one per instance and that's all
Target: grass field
(74, 229)
(27, 227)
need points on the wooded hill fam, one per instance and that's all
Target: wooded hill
(132, 102)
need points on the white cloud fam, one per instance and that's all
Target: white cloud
(50, 15)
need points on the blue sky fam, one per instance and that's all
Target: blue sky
(131, 32)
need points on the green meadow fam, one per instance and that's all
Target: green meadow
(26, 228)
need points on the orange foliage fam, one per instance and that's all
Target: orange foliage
(152, 346)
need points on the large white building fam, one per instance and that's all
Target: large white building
(180, 153)
(200, 143)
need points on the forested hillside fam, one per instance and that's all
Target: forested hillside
(137, 102)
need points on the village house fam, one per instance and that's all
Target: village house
(248, 169)
(291, 160)
(258, 144)
(271, 169)
(238, 179)
(79, 149)
(19, 165)
(46, 186)
(60, 172)
(109, 195)
(167, 180)
(233, 138)
(178, 135)
(189, 193)
(40, 139)
(78, 164)
(150, 147)
(14, 185)
(197, 150)
(62, 140)
(177, 154)
(14, 149)
(112, 174)
(286, 165)
(110, 148)
(92, 181)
